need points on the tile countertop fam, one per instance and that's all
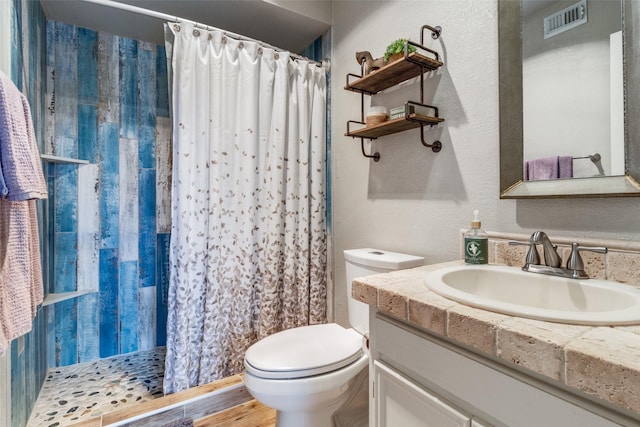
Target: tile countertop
(603, 362)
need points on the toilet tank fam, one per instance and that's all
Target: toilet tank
(366, 261)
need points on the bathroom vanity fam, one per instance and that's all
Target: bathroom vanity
(434, 359)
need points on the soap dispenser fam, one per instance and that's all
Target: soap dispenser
(476, 243)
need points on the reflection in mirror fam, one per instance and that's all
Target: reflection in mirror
(572, 101)
(569, 99)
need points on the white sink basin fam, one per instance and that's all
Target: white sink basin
(510, 290)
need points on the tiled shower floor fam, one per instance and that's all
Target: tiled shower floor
(79, 392)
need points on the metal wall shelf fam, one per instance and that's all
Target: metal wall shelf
(394, 126)
(409, 66)
(391, 74)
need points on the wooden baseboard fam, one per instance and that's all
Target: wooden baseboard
(249, 414)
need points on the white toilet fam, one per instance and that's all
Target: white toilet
(317, 376)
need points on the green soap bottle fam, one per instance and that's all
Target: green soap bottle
(476, 243)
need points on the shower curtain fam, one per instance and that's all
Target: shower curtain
(248, 239)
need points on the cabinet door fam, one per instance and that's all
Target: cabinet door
(399, 402)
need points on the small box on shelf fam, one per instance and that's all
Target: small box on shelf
(398, 112)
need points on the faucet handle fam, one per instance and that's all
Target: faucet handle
(575, 262)
(532, 254)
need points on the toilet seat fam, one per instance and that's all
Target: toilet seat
(303, 352)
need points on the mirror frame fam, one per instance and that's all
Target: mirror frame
(512, 184)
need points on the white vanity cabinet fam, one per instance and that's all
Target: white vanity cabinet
(418, 379)
(400, 402)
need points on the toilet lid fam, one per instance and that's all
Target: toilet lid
(304, 351)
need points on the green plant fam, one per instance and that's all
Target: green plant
(397, 47)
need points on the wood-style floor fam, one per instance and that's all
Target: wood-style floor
(250, 414)
(222, 403)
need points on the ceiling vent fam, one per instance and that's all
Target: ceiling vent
(565, 19)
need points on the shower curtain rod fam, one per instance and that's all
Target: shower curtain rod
(177, 19)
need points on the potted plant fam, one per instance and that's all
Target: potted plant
(395, 50)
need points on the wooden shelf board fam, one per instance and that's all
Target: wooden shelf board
(393, 73)
(394, 126)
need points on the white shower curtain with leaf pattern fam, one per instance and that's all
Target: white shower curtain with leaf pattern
(248, 239)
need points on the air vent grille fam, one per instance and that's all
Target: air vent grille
(565, 19)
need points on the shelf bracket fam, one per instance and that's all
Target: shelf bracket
(436, 146)
(435, 32)
(375, 156)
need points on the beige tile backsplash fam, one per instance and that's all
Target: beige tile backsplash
(621, 263)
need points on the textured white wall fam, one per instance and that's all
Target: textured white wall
(416, 201)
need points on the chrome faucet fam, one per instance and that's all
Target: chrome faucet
(553, 261)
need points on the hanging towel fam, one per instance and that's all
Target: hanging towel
(20, 164)
(553, 167)
(542, 168)
(20, 273)
(21, 182)
(565, 167)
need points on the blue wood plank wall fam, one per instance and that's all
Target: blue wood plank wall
(28, 355)
(104, 99)
(108, 104)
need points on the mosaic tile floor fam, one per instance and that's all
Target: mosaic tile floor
(79, 392)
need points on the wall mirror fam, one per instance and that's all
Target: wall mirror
(569, 98)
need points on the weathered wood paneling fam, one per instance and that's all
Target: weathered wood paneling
(66, 261)
(109, 193)
(109, 319)
(88, 228)
(66, 346)
(128, 306)
(88, 328)
(147, 318)
(50, 117)
(162, 83)
(108, 78)
(87, 67)
(66, 89)
(88, 133)
(128, 53)
(128, 194)
(66, 199)
(162, 287)
(163, 174)
(147, 241)
(147, 104)
(104, 96)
